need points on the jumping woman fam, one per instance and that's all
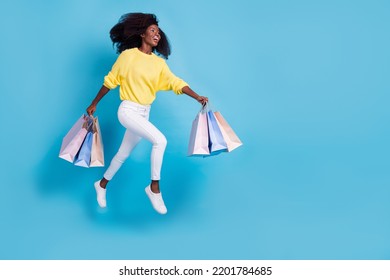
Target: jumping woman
(140, 71)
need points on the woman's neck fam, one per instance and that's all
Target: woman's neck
(145, 49)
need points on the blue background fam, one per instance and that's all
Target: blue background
(305, 85)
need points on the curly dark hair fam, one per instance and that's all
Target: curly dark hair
(126, 34)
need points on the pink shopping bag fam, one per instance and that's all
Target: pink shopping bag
(97, 153)
(229, 135)
(199, 138)
(73, 140)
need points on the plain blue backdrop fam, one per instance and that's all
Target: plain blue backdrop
(305, 85)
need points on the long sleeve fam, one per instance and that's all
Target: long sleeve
(112, 79)
(168, 81)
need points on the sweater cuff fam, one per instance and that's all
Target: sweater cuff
(110, 82)
(179, 89)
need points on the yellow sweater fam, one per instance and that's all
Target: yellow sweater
(140, 76)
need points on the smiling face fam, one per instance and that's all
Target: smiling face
(151, 36)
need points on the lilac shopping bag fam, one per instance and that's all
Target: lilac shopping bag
(97, 152)
(73, 140)
(199, 138)
(229, 135)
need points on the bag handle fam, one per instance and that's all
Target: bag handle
(205, 108)
(88, 123)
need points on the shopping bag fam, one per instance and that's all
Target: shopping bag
(199, 138)
(228, 134)
(217, 143)
(73, 140)
(83, 158)
(97, 152)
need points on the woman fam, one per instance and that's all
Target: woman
(139, 73)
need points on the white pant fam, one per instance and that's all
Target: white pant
(135, 118)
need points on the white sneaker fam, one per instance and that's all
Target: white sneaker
(156, 200)
(100, 194)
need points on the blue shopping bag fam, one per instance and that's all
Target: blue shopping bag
(84, 156)
(217, 143)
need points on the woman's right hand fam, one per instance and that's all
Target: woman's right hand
(91, 109)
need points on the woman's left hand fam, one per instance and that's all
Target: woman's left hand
(202, 100)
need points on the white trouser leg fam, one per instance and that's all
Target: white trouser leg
(135, 118)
